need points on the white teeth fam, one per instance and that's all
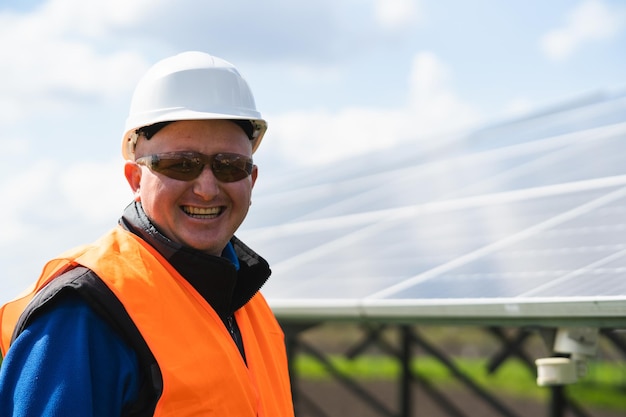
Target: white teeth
(197, 211)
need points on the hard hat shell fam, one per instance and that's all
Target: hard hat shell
(191, 86)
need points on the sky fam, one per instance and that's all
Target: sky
(333, 78)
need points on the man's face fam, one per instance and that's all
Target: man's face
(203, 213)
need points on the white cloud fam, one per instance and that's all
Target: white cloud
(432, 107)
(396, 14)
(45, 192)
(432, 97)
(591, 20)
(91, 19)
(315, 137)
(9, 112)
(22, 191)
(95, 192)
(49, 207)
(428, 76)
(56, 57)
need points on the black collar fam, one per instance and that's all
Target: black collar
(224, 287)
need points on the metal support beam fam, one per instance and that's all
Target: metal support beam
(346, 381)
(406, 401)
(462, 377)
(404, 351)
(510, 347)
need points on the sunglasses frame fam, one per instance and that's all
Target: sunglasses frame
(187, 166)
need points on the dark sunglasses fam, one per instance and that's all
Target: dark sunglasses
(187, 166)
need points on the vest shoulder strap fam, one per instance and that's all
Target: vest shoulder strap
(85, 283)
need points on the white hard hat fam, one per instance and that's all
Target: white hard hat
(191, 86)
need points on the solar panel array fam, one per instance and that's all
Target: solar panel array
(522, 220)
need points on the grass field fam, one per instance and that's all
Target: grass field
(604, 387)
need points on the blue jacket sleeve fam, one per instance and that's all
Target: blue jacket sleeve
(68, 362)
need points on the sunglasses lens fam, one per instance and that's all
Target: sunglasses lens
(231, 167)
(179, 167)
(227, 167)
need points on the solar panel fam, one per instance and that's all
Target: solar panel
(519, 221)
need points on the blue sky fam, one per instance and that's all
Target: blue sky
(333, 78)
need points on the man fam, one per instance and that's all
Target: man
(162, 315)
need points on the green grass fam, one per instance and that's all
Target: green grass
(604, 387)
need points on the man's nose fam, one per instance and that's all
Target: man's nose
(206, 185)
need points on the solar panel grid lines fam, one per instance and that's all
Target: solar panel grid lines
(344, 263)
(407, 212)
(517, 166)
(618, 255)
(509, 221)
(500, 244)
(319, 251)
(569, 147)
(602, 112)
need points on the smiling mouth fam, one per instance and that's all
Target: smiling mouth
(202, 213)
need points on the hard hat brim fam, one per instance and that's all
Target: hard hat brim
(130, 137)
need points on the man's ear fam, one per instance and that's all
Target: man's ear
(255, 173)
(132, 172)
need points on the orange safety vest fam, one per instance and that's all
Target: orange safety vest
(203, 371)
